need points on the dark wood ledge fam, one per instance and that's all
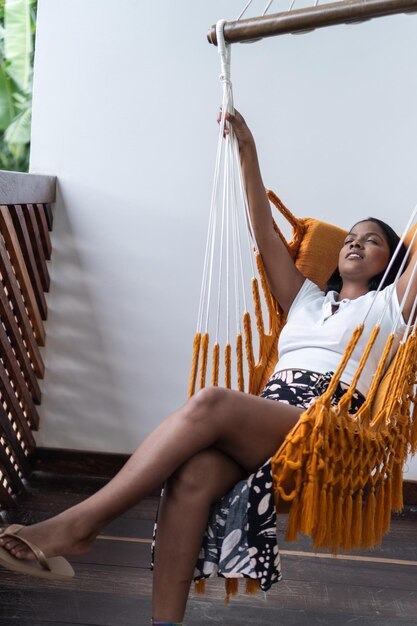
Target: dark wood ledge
(81, 462)
(21, 188)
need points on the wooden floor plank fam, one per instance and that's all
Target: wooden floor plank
(113, 582)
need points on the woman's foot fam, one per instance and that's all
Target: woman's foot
(62, 535)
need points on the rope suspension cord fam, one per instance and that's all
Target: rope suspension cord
(225, 263)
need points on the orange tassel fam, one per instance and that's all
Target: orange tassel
(320, 533)
(194, 364)
(397, 489)
(413, 433)
(338, 525)
(347, 528)
(239, 359)
(293, 520)
(252, 585)
(247, 325)
(387, 503)
(232, 587)
(215, 365)
(258, 307)
(368, 528)
(200, 586)
(357, 520)
(330, 516)
(228, 366)
(379, 514)
(308, 508)
(204, 356)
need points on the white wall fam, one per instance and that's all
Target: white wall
(125, 100)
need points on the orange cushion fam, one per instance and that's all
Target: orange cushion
(318, 252)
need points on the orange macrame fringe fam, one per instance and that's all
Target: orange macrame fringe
(343, 477)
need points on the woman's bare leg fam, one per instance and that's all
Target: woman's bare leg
(246, 428)
(182, 520)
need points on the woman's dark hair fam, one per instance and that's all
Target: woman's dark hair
(335, 282)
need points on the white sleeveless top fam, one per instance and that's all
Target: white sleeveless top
(315, 339)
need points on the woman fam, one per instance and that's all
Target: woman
(219, 436)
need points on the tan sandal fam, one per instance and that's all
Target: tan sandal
(54, 568)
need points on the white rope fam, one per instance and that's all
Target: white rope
(407, 291)
(223, 268)
(235, 233)
(209, 252)
(410, 321)
(267, 7)
(220, 278)
(224, 52)
(228, 209)
(205, 294)
(243, 281)
(249, 230)
(243, 11)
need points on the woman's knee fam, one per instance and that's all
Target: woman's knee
(194, 476)
(208, 401)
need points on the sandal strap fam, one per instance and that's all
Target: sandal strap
(13, 532)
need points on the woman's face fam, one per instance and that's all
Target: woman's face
(365, 253)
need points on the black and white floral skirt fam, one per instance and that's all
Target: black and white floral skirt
(241, 536)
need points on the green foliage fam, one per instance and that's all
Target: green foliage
(17, 33)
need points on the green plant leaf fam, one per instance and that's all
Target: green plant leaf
(18, 133)
(7, 106)
(18, 41)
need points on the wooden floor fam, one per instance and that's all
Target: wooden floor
(112, 586)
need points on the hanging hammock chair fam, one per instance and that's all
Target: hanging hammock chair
(337, 474)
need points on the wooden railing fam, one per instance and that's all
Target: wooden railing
(25, 249)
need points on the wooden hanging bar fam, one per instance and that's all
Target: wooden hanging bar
(310, 18)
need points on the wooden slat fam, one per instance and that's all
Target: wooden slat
(16, 377)
(15, 468)
(12, 406)
(12, 244)
(6, 497)
(18, 346)
(10, 466)
(19, 310)
(37, 246)
(43, 229)
(49, 215)
(16, 211)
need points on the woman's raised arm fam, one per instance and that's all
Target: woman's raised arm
(402, 286)
(285, 280)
